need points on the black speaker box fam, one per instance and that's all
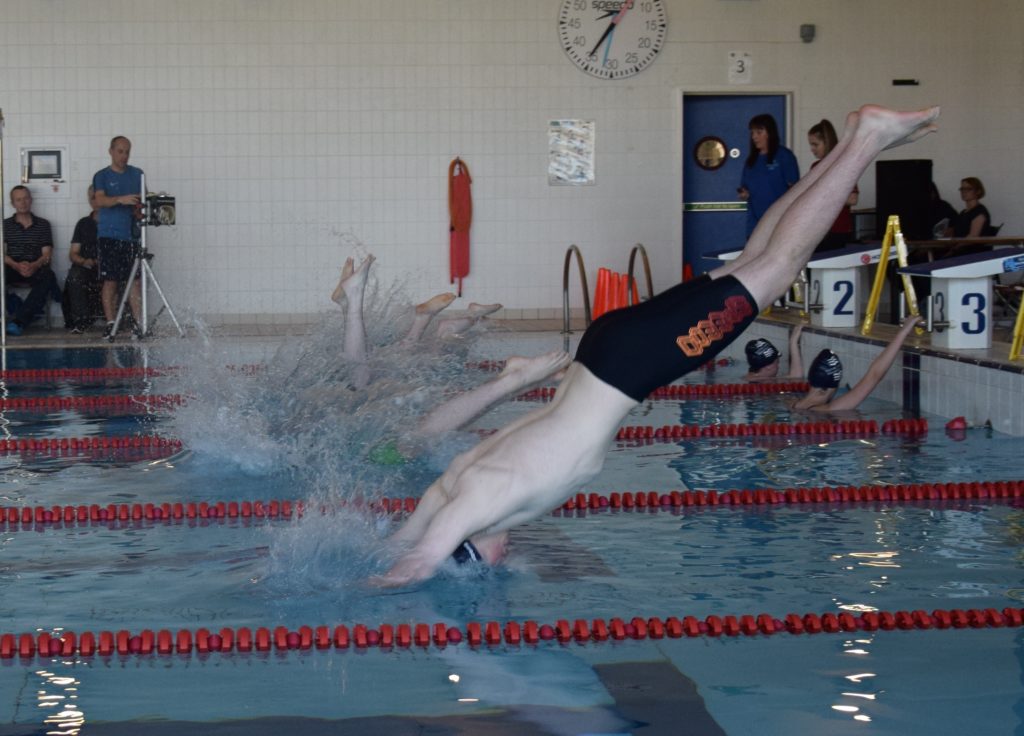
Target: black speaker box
(902, 188)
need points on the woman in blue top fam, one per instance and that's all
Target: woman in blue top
(770, 169)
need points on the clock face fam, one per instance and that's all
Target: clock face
(612, 39)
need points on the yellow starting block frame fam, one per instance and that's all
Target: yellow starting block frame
(1018, 335)
(893, 236)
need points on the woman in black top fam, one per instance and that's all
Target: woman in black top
(973, 220)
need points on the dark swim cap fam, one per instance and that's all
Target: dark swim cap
(760, 353)
(826, 371)
(467, 552)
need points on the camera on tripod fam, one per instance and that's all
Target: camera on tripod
(161, 208)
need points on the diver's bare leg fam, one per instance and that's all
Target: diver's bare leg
(354, 345)
(426, 312)
(518, 374)
(811, 211)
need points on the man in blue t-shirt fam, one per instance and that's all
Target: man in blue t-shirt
(118, 193)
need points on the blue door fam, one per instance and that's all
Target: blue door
(713, 217)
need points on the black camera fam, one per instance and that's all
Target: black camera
(161, 209)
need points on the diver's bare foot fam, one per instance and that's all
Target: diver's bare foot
(339, 291)
(435, 304)
(482, 310)
(893, 128)
(354, 283)
(531, 370)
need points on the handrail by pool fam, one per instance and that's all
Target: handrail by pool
(566, 331)
(638, 248)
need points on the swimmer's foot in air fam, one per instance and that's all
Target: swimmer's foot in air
(425, 312)
(482, 310)
(354, 283)
(892, 128)
(435, 304)
(339, 292)
(458, 325)
(531, 370)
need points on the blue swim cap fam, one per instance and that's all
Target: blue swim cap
(760, 353)
(826, 371)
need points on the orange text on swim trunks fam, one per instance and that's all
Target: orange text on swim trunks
(718, 324)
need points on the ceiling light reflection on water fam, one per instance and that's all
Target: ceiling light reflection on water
(55, 691)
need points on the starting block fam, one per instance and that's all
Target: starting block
(835, 283)
(961, 315)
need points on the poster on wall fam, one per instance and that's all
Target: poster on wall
(570, 152)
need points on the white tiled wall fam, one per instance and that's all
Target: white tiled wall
(285, 128)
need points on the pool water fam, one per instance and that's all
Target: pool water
(276, 433)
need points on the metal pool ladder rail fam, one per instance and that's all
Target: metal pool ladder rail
(638, 248)
(565, 292)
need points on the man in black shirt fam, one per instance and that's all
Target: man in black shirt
(82, 287)
(29, 247)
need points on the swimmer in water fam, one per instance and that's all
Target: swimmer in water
(826, 373)
(763, 359)
(532, 465)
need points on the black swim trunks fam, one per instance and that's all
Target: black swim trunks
(643, 347)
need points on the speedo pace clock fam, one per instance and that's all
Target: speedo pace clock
(612, 39)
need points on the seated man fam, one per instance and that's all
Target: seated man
(826, 373)
(763, 358)
(536, 462)
(82, 286)
(28, 248)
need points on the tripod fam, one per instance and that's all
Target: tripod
(144, 271)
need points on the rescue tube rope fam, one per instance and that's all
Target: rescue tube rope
(27, 647)
(14, 517)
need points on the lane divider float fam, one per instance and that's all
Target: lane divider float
(852, 428)
(36, 517)
(105, 401)
(27, 647)
(32, 375)
(73, 445)
(691, 391)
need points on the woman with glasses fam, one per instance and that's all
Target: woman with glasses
(973, 220)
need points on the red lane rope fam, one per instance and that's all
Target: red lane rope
(56, 403)
(14, 517)
(852, 428)
(691, 391)
(71, 445)
(26, 647)
(50, 374)
(29, 375)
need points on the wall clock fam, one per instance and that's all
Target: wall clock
(612, 39)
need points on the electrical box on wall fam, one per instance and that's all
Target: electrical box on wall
(44, 170)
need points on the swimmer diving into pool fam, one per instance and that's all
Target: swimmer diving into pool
(532, 465)
(518, 374)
